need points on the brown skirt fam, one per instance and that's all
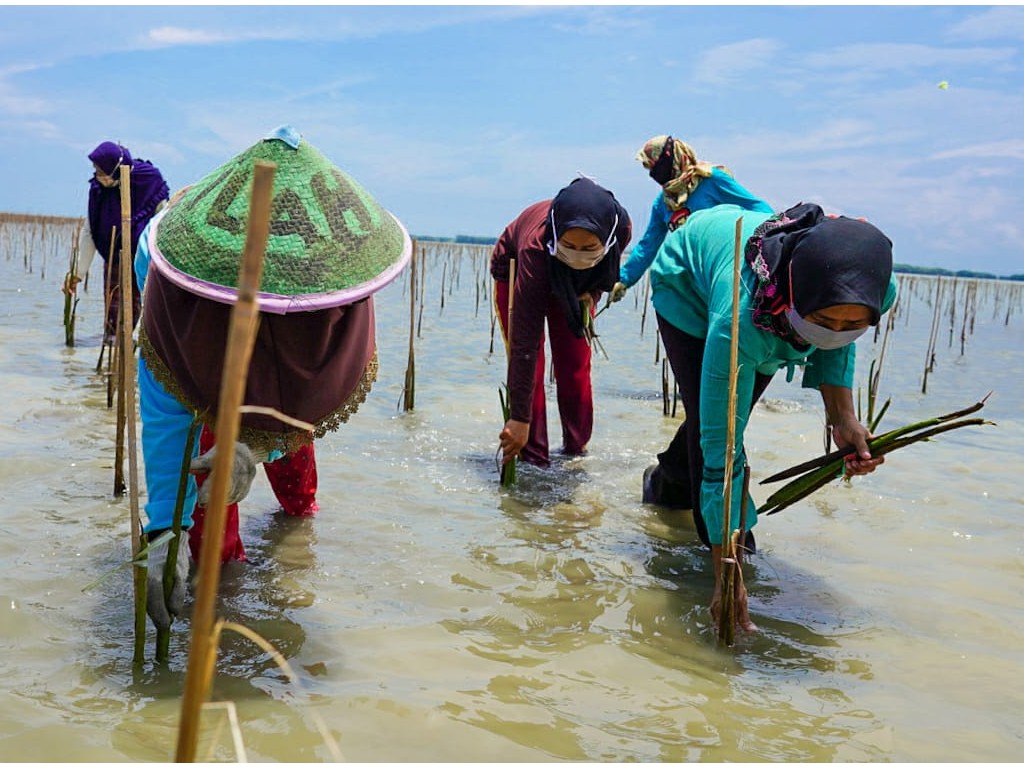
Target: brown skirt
(317, 367)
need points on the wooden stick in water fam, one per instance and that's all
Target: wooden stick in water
(727, 616)
(409, 400)
(106, 302)
(508, 469)
(163, 634)
(241, 337)
(126, 417)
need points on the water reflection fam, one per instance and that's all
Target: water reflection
(558, 605)
(266, 596)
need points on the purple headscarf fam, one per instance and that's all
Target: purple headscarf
(148, 190)
(110, 156)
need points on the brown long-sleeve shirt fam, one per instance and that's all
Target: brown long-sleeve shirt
(523, 240)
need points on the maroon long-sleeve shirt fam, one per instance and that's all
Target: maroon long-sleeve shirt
(523, 240)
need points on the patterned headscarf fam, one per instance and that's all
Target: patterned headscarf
(687, 171)
(805, 259)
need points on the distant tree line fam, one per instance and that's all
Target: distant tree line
(908, 269)
(466, 239)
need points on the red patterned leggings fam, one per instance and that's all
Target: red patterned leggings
(293, 480)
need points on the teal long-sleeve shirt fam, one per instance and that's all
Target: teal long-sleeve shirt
(692, 288)
(720, 188)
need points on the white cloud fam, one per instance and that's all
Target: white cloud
(1011, 149)
(889, 57)
(331, 88)
(729, 63)
(603, 21)
(165, 36)
(792, 145)
(40, 129)
(994, 23)
(13, 104)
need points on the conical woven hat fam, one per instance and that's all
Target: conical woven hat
(330, 242)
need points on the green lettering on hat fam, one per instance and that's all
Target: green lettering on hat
(326, 232)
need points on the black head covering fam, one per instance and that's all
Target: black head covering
(805, 259)
(589, 206)
(841, 261)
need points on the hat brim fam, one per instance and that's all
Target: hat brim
(273, 302)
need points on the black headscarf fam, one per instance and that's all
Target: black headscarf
(805, 259)
(588, 206)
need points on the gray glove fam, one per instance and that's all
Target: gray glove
(243, 472)
(160, 611)
(618, 291)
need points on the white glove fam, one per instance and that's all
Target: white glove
(243, 472)
(160, 611)
(618, 291)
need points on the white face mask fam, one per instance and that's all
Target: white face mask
(579, 259)
(818, 335)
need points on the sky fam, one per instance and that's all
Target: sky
(456, 117)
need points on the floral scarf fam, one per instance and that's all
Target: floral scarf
(807, 260)
(687, 171)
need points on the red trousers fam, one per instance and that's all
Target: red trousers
(293, 480)
(570, 357)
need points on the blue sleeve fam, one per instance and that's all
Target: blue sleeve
(642, 255)
(720, 188)
(165, 426)
(142, 257)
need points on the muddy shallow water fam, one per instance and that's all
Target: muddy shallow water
(434, 616)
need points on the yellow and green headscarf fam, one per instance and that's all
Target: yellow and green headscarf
(687, 170)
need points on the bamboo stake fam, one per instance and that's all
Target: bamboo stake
(106, 341)
(118, 341)
(875, 377)
(508, 469)
(647, 293)
(71, 301)
(952, 310)
(241, 335)
(108, 288)
(163, 634)
(666, 401)
(444, 274)
(126, 420)
(409, 400)
(929, 363)
(421, 287)
(727, 616)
